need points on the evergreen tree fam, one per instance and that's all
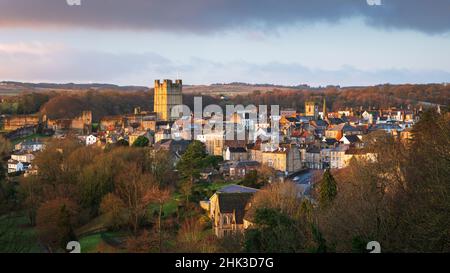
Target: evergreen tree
(274, 232)
(141, 141)
(327, 189)
(192, 161)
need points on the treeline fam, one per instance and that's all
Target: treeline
(58, 105)
(377, 96)
(26, 103)
(70, 105)
(106, 103)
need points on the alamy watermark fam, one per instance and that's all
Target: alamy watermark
(374, 2)
(237, 123)
(73, 2)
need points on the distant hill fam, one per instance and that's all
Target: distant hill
(12, 88)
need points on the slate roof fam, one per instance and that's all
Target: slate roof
(330, 141)
(292, 119)
(353, 138)
(234, 203)
(335, 121)
(321, 123)
(237, 149)
(236, 189)
(349, 128)
(242, 164)
(313, 150)
(174, 146)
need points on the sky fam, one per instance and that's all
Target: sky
(287, 42)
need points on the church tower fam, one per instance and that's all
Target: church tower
(167, 95)
(325, 112)
(311, 109)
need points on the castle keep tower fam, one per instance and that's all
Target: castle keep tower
(167, 95)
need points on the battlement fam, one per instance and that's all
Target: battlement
(168, 84)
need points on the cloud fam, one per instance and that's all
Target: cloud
(203, 16)
(40, 62)
(59, 63)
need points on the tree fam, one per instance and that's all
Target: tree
(65, 226)
(266, 174)
(192, 161)
(141, 243)
(55, 222)
(191, 239)
(133, 187)
(31, 193)
(159, 196)
(97, 180)
(284, 197)
(55, 168)
(392, 200)
(114, 210)
(212, 161)
(141, 141)
(5, 149)
(327, 189)
(274, 232)
(121, 143)
(186, 188)
(250, 179)
(161, 166)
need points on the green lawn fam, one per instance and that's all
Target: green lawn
(18, 235)
(91, 243)
(169, 208)
(95, 225)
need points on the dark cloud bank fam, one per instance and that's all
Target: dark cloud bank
(214, 15)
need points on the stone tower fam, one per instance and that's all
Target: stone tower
(167, 95)
(311, 109)
(325, 112)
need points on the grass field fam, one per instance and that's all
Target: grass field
(17, 235)
(96, 243)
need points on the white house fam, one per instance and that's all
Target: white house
(23, 157)
(337, 157)
(369, 117)
(91, 140)
(235, 154)
(16, 166)
(351, 139)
